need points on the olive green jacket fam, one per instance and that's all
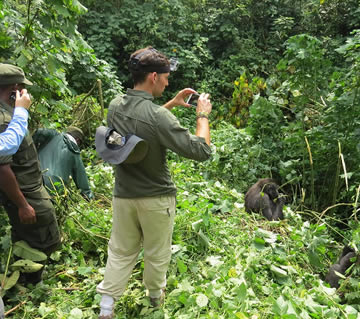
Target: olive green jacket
(136, 113)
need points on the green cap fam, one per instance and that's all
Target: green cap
(76, 132)
(11, 74)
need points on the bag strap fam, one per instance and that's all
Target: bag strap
(113, 115)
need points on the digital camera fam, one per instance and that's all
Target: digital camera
(192, 99)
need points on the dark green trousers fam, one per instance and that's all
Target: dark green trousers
(44, 234)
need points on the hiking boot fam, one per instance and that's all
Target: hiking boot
(159, 301)
(30, 278)
(34, 277)
(107, 309)
(111, 316)
(107, 305)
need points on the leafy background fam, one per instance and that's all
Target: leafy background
(284, 81)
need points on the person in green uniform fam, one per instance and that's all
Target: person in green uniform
(144, 194)
(25, 199)
(59, 155)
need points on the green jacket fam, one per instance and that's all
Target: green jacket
(136, 113)
(59, 159)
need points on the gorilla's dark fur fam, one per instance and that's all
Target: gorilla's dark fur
(341, 266)
(263, 197)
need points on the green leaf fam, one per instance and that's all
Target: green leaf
(43, 310)
(205, 241)
(61, 9)
(24, 251)
(351, 312)
(241, 292)
(181, 266)
(280, 306)
(10, 281)
(184, 298)
(314, 258)
(79, 7)
(214, 260)
(76, 313)
(21, 61)
(278, 271)
(26, 266)
(186, 286)
(84, 270)
(259, 243)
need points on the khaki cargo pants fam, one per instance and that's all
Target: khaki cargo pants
(140, 221)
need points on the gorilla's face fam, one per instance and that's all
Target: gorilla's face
(271, 190)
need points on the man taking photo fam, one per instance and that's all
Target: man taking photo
(144, 194)
(27, 203)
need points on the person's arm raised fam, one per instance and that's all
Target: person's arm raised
(203, 111)
(179, 99)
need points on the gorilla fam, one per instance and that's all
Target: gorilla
(341, 266)
(264, 197)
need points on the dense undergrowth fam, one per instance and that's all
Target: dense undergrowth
(284, 82)
(225, 264)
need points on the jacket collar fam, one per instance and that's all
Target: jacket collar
(143, 94)
(71, 144)
(7, 107)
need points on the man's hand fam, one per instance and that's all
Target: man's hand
(204, 103)
(179, 99)
(203, 110)
(10, 186)
(27, 215)
(23, 99)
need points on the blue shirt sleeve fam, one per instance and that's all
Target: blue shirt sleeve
(11, 139)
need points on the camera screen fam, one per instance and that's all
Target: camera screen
(192, 100)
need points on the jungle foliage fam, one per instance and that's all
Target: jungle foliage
(284, 77)
(284, 70)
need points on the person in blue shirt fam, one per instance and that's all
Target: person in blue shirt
(11, 139)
